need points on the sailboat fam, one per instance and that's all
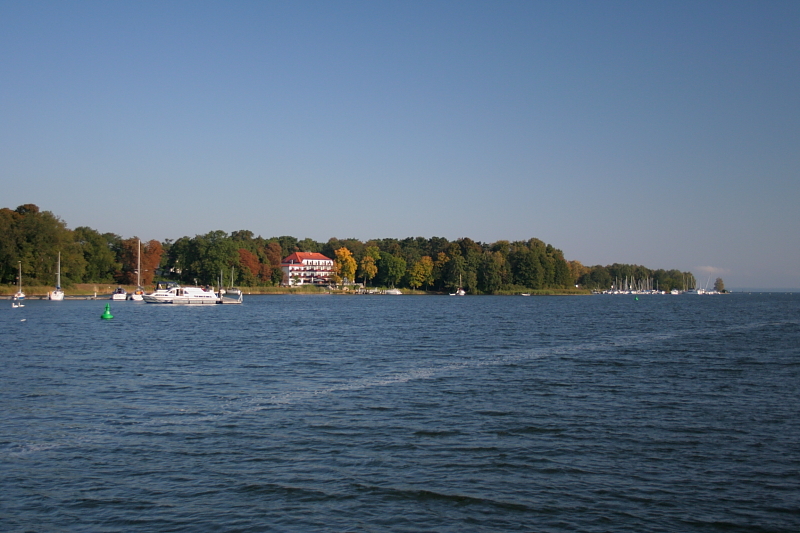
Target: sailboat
(19, 295)
(231, 294)
(138, 294)
(58, 294)
(460, 291)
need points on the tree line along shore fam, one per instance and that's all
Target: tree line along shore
(32, 240)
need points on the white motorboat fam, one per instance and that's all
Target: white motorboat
(19, 295)
(394, 291)
(169, 292)
(138, 294)
(58, 294)
(119, 294)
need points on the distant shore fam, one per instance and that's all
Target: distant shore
(104, 290)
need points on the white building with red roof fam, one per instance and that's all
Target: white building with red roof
(307, 268)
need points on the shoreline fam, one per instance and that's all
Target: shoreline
(102, 291)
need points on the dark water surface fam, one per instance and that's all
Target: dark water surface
(369, 413)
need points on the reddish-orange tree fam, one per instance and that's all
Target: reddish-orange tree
(251, 267)
(150, 259)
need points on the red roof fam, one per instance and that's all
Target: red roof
(299, 257)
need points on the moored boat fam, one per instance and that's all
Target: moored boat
(19, 295)
(170, 292)
(460, 291)
(231, 295)
(138, 294)
(57, 294)
(119, 294)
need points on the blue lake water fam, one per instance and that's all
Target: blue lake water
(387, 413)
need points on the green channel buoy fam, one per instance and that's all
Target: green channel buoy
(107, 313)
(637, 298)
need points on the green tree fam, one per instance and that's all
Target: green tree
(391, 269)
(204, 258)
(491, 273)
(9, 246)
(527, 268)
(719, 285)
(288, 245)
(308, 245)
(438, 268)
(454, 272)
(38, 237)
(600, 278)
(562, 277)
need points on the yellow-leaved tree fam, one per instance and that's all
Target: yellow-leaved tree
(344, 266)
(368, 267)
(421, 273)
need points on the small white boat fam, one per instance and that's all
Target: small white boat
(460, 291)
(394, 291)
(57, 295)
(119, 294)
(169, 292)
(19, 295)
(137, 295)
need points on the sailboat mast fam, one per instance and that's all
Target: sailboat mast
(139, 264)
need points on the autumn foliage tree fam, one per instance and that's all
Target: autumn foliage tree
(344, 266)
(128, 255)
(250, 267)
(368, 267)
(421, 272)
(151, 259)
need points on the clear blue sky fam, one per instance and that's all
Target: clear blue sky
(659, 133)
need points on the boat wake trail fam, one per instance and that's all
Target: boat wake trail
(113, 432)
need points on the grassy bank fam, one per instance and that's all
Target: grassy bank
(548, 292)
(81, 289)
